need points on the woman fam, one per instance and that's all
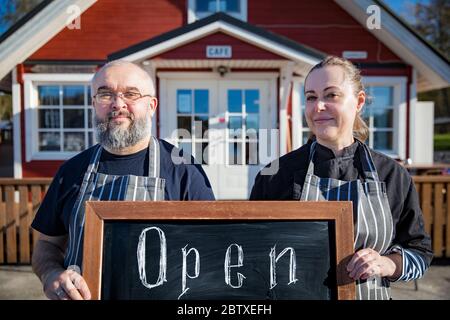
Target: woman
(390, 241)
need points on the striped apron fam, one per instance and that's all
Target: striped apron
(104, 187)
(371, 213)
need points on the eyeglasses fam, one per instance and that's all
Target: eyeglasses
(128, 97)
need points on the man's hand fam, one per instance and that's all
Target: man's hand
(47, 262)
(368, 263)
(63, 284)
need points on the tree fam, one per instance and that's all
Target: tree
(12, 10)
(433, 23)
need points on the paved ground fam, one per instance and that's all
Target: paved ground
(19, 282)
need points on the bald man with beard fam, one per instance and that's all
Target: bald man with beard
(128, 164)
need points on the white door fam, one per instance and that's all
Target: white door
(218, 122)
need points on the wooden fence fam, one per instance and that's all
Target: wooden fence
(19, 201)
(20, 198)
(434, 196)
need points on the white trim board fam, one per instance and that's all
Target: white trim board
(215, 75)
(55, 77)
(17, 136)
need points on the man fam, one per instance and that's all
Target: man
(127, 164)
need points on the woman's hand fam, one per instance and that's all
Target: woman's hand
(368, 263)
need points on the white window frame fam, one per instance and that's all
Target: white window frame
(399, 103)
(31, 82)
(193, 15)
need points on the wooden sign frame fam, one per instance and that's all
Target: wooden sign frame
(340, 212)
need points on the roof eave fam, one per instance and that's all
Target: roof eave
(32, 34)
(404, 43)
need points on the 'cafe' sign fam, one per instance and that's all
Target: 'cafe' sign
(218, 52)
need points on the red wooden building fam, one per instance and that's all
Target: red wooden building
(218, 65)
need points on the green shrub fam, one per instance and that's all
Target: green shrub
(442, 142)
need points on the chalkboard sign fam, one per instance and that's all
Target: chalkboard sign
(239, 250)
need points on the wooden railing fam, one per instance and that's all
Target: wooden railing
(434, 197)
(20, 199)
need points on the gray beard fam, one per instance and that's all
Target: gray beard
(114, 137)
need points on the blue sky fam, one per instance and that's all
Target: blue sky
(400, 7)
(404, 8)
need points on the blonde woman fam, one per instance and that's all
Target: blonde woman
(390, 240)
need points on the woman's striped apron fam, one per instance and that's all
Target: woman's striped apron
(104, 187)
(372, 214)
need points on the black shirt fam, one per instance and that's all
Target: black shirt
(184, 181)
(287, 183)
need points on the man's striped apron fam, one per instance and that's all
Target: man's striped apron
(371, 213)
(104, 187)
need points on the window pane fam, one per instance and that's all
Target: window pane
(48, 118)
(304, 123)
(184, 101)
(252, 122)
(235, 153)
(366, 114)
(251, 155)
(201, 101)
(89, 96)
(305, 137)
(235, 126)
(234, 101)
(90, 139)
(206, 5)
(49, 141)
(382, 97)
(73, 118)
(230, 5)
(201, 154)
(74, 141)
(200, 126)
(382, 140)
(185, 123)
(90, 118)
(187, 149)
(252, 101)
(73, 95)
(48, 95)
(383, 118)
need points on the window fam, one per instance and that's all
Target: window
(193, 122)
(385, 115)
(64, 118)
(199, 9)
(305, 129)
(243, 126)
(379, 116)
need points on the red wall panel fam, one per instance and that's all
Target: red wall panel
(41, 168)
(321, 24)
(197, 49)
(111, 25)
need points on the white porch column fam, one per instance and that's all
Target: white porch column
(296, 113)
(148, 66)
(17, 146)
(285, 89)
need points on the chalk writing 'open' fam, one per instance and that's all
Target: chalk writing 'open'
(185, 252)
